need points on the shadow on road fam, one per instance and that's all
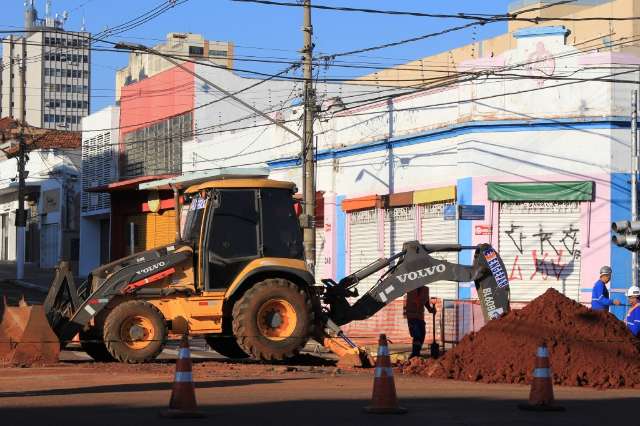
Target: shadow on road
(434, 411)
(138, 387)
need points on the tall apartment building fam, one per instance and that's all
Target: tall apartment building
(57, 77)
(142, 65)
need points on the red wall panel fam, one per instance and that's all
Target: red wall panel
(169, 93)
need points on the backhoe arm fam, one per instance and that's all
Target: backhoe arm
(414, 268)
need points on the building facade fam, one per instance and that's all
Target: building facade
(52, 201)
(99, 167)
(188, 45)
(542, 145)
(57, 73)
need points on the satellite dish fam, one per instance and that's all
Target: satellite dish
(65, 15)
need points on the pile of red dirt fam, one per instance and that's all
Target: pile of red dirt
(587, 348)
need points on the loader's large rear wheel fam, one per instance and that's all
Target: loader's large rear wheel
(225, 346)
(135, 332)
(273, 319)
(92, 343)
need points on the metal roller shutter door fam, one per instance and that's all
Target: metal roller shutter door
(540, 245)
(363, 244)
(399, 227)
(436, 230)
(319, 271)
(161, 229)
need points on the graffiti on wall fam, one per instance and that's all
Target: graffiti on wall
(542, 254)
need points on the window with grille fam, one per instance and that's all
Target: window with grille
(98, 168)
(157, 149)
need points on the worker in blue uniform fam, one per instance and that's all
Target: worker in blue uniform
(633, 316)
(600, 294)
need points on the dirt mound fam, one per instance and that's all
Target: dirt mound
(587, 348)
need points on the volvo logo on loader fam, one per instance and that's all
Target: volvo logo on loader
(421, 273)
(151, 268)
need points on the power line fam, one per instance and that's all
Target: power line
(481, 98)
(462, 15)
(421, 87)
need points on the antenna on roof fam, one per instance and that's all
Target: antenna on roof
(83, 27)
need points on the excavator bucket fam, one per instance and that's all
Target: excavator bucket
(348, 356)
(25, 336)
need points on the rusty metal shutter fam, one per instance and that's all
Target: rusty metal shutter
(436, 230)
(540, 245)
(363, 244)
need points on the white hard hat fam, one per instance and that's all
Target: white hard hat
(633, 291)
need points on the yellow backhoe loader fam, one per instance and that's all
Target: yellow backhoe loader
(235, 275)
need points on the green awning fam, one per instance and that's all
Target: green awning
(541, 191)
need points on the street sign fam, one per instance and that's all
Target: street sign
(483, 229)
(471, 212)
(449, 212)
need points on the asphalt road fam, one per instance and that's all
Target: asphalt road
(238, 394)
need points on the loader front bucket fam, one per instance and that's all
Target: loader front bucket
(26, 337)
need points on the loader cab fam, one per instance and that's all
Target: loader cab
(231, 223)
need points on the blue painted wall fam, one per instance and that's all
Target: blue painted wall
(620, 257)
(464, 189)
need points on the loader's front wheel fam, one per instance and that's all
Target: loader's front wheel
(273, 319)
(135, 332)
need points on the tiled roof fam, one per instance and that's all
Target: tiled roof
(37, 138)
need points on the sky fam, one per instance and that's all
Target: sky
(267, 31)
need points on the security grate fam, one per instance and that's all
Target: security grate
(157, 149)
(98, 168)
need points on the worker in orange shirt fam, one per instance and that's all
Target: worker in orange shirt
(414, 304)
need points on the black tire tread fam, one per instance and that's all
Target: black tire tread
(111, 334)
(242, 315)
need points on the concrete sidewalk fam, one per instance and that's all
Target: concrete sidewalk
(34, 277)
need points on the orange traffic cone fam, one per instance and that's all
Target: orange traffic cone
(183, 395)
(384, 399)
(541, 395)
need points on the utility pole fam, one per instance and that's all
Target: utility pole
(308, 159)
(21, 217)
(634, 179)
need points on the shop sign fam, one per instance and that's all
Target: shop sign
(471, 212)
(483, 229)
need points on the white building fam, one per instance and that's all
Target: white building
(53, 193)
(99, 167)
